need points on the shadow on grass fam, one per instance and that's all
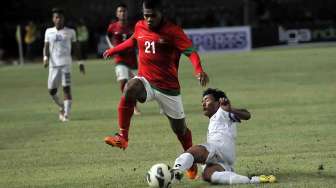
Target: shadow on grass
(311, 176)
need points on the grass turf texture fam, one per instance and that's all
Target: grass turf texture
(290, 93)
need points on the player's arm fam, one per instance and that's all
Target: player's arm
(127, 44)
(239, 113)
(109, 35)
(108, 40)
(46, 54)
(199, 73)
(184, 44)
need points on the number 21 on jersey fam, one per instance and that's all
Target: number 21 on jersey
(150, 47)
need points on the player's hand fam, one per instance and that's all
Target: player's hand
(82, 68)
(203, 78)
(45, 63)
(225, 104)
(107, 53)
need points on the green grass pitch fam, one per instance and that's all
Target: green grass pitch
(290, 92)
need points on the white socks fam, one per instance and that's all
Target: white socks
(184, 162)
(57, 101)
(227, 177)
(67, 107)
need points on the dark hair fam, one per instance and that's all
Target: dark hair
(216, 93)
(123, 5)
(57, 10)
(151, 4)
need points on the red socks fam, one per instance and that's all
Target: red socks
(186, 140)
(125, 112)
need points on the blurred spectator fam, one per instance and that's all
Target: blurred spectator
(29, 39)
(82, 38)
(1, 49)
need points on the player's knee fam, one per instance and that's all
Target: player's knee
(134, 90)
(199, 152)
(52, 91)
(178, 125)
(130, 93)
(206, 176)
(67, 92)
(209, 170)
(207, 173)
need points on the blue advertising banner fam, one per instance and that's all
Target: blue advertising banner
(221, 39)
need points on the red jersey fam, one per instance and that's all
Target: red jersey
(159, 53)
(119, 33)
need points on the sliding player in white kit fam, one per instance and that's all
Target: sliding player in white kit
(218, 153)
(57, 55)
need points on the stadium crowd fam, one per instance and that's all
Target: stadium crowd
(200, 14)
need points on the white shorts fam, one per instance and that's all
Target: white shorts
(169, 105)
(222, 154)
(124, 73)
(59, 75)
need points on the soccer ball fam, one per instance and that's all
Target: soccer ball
(159, 176)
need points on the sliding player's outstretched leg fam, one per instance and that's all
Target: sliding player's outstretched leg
(184, 135)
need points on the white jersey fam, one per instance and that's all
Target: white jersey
(60, 45)
(222, 126)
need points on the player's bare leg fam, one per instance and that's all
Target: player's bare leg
(184, 136)
(187, 160)
(136, 108)
(67, 103)
(134, 91)
(122, 87)
(58, 102)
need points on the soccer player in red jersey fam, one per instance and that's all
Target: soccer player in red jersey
(160, 44)
(126, 61)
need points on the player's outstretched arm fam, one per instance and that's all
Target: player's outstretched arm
(184, 44)
(199, 73)
(127, 44)
(242, 114)
(46, 54)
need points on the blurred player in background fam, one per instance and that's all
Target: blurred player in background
(57, 55)
(126, 61)
(30, 39)
(218, 153)
(160, 44)
(83, 36)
